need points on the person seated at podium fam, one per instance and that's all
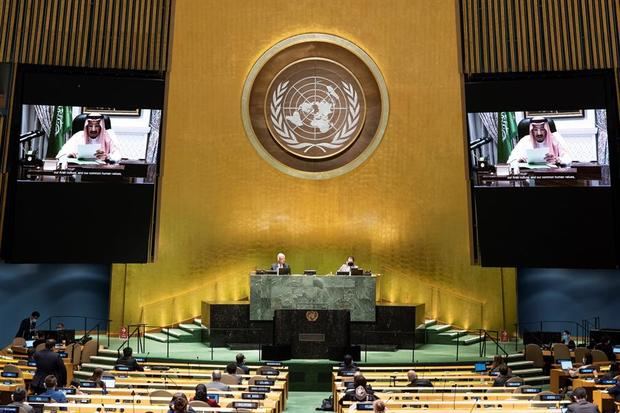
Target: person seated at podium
(201, 395)
(614, 391)
(566, 339)
(412, 376)
(541, 137)
(216, 382)
(348, 265)
(580, 403)
(498, 362)
(128, 360)
(361, 391)
(240, 358)
(94, 133)
(50, 390)
(281, 266)
(504, 375)
(231, 374)
(379, 406)
(19, 399)
(347, 365)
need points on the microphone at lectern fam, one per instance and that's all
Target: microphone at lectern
(25, 137)
(478, 143)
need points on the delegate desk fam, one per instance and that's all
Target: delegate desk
(303, 292)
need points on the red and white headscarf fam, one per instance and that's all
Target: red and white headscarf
(550, 141)
(106, 141)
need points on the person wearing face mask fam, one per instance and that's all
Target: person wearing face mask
(348, 265)
(566, 339)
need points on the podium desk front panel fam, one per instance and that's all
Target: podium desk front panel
(291, 292)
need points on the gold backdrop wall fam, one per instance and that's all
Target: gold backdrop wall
(224, 211)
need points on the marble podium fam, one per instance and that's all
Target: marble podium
(320, 292)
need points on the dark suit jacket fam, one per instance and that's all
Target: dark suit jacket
(500, 381)
(24, 329)
(48, 363)
(615, 392)
(130, 362)
(274, 267)
(242, 366)
(420, 383)
(582, 407)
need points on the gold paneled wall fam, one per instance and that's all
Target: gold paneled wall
(224, 211)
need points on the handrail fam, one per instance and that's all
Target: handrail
(483, 335)
(137, 330)
(49, 320)
(582, 329)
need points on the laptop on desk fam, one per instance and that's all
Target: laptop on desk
(565, 364)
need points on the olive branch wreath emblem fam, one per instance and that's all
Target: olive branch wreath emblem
(288, 136)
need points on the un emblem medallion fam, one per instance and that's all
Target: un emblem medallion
(315, 106)
(312, 316)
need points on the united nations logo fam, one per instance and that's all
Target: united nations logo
(315, 106)
(312, 316)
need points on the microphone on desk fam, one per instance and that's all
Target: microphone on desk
(479, 142)
(476, 399)
(454, 397)
(25, 137)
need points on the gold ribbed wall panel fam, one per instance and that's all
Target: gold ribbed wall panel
(403, 213)
(540, 35)
(113, 34)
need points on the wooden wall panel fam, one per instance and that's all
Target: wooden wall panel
(96, 33)
(539, 35)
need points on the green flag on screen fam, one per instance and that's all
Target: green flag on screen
(506, 135)
(61, 129)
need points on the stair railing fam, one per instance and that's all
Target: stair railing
(582, 329)
(139, 331)
(60, 318)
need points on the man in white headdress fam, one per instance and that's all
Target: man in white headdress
(540, 136)
(94, 133)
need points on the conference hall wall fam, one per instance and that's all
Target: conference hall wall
(225, 211)
(53, 290)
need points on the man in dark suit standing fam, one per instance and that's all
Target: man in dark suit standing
(581, 404)
(28, 326)
(128, 360)
(48, 363)
(281, 266)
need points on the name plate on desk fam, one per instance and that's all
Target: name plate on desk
(322, 292)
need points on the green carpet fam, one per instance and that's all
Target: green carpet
(199, 352)
(300, 401)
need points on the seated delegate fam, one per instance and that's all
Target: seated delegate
(94, 133)
(540, 136)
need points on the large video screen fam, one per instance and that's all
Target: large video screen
(83, 165)
(542, 150)
(85, 144)
(529, 147)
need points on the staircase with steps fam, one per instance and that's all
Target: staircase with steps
(525, 369)
(437, 333)
(182, 333)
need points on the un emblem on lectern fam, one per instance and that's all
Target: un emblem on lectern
(315, 106)
(312, 316)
